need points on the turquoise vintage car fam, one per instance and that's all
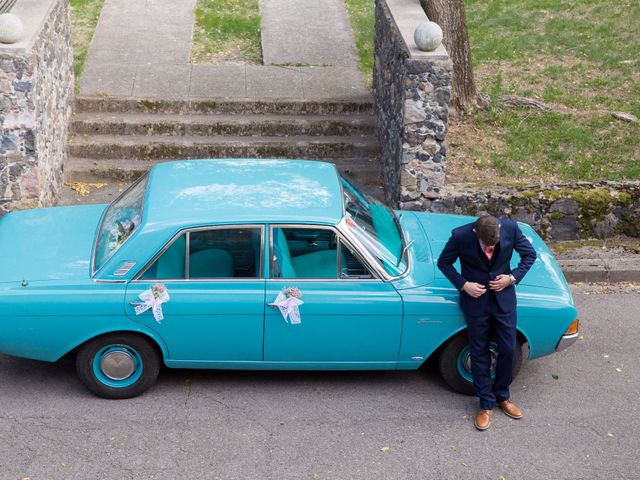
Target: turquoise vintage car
(248, 264)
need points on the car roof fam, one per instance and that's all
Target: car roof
(218, 191)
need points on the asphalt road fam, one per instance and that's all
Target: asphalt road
(580, 419)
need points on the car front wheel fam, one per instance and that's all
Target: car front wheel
(118, 365)
(454, 363)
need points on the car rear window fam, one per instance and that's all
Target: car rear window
(120, 220)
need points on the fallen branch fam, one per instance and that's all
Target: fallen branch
(515, 101)
(523, 102)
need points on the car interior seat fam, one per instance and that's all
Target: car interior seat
(320, 264)
(171, 262)
(211, 263)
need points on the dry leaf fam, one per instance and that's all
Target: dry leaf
(83, 189)
(609, 434)
(619, 370)
(385, 449)
(555, 377)
(605, 355)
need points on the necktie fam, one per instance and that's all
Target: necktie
(488, 251)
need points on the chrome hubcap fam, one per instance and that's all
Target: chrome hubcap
(494, 359)
(117, 365)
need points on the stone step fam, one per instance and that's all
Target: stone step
(184, 147)
(215, 125)
(85, 104)
(364, 171)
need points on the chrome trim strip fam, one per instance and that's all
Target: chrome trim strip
(97, 280)
(201, 280)
(187, 246)
(188, 231)
(296, 280)
(340, 177)
(370, 258)
(566, 341)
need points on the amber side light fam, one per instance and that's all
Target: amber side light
(573, 328)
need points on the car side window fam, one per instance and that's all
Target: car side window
(351, 266)
(214, 253)
(225, 253)
(171, 264)
(312, 253)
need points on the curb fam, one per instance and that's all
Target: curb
(599, 270)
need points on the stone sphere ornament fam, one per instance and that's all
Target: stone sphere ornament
(11, 28)
(428, 36)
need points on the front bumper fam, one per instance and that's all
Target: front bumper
(566, 341)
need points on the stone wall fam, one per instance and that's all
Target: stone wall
(412, 92)
(36, 93)
(559, 212)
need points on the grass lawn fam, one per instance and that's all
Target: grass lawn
(84, 17)
(227, 30)
(362, 14)
(584, 54)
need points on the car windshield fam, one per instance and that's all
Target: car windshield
(120, 220)
(377, 228)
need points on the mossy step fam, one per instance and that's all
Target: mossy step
(85, 104)
(213, 125)
(166, 147)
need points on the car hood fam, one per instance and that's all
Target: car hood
(545, 272)
(48, 243)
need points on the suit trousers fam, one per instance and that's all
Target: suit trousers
(482, 328)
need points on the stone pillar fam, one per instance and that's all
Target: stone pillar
(36, 93)
(412, 92)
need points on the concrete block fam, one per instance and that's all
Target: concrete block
(171, 81)
(108, 79)
(273, 82)
(218, 81)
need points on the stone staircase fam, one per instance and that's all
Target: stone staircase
(119, 139)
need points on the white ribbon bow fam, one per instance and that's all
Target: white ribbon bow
(288, 307)
(153, 299)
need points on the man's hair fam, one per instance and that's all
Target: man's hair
(487, 229)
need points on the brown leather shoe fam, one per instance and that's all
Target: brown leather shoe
(510, 409)
(483, 419)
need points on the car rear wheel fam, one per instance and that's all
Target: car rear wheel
(118, 365)
(454, 363)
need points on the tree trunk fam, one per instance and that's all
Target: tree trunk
(452, 18)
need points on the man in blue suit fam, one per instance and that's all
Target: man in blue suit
(488, 300)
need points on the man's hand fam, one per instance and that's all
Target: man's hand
(500, 283)
(474, 289)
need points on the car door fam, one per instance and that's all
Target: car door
(215, 313)
(349, 318)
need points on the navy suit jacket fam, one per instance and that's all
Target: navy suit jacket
(475, 267)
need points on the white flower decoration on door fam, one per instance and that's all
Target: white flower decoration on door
(288, 302)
